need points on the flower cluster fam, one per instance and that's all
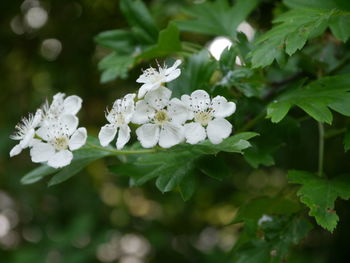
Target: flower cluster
(164, 120)
(52, 133)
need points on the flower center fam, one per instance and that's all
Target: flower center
(60, 143)
(120, 120)
(203, 117)
(160, 117)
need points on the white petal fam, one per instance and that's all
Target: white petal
(43, 133)
(34, 141)
(158, 98)
(128, 100)
(123, 136)
(170, 135)
(218, 129)
(147, 87)
(173, 67)
(69, 123)
(58, 97)
(198, 101)
(60, 159)
(41, 152)
(27, 139)
(186, 99)
(107, 134)
(128, 105)
(222, 108)
(72, 105)
(143, 78)
(148, 135)
(173, 75)
(143, 112)
(178, 112)
(37, 118)
(17, 149)
(78, 139)
(194, 133)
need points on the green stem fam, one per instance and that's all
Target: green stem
(320, 148)
(122, 152)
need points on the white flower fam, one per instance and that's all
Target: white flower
(264, 218)
(60, 106)
(162, 119)
(25, 132)
(58, 140)
(208, 117)
(153, 78)
(119, 118)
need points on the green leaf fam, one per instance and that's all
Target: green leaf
(277, 111)
(187, 186)
(346, 141)
(257, 156)
(217, 17)
(114, 66)
(196, 74)
(37, 174)
(340, 27)
(82, 158)
(234, 144)
(250, 82)
(315, 99)
(256, 208)
(320, 194)
(175, 167)
(140, 19)
(278, 236)
(327, 4)
(168, 43)
(171, 175)
(121, 41)
(294, 28)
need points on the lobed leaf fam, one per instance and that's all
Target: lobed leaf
(256, 208)
(216, 18)
(140, 19)
(168, 43)
(320, 194)
(294, 28)
(315, 99)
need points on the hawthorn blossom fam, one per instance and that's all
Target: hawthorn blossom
(25, 132)
(60, 106)
(161, 118)
(58, 139)
(118, 117)
(153, 78)
(209, 117)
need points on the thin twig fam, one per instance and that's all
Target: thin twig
(320, 148)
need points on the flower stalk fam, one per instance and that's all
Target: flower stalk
(122, 152)
(320, 148)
